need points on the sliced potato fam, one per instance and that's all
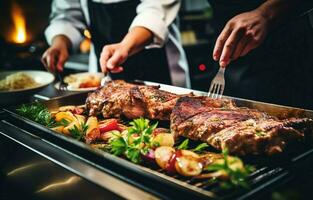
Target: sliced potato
(68, 116)
(164, 139)
(188, 163)
(163, 155)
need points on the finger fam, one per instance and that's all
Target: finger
(116, 60)
(105, 55)
(61, 60)
(44, 61)
(118, 69)
(240, 47)
(229, 47)
(220, 43)
(51, 61)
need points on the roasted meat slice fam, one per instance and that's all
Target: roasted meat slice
(119, 98)
(199, 117)
(110, 98)
(241, 130)
(267, 136)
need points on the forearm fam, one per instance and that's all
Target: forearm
(136, 39)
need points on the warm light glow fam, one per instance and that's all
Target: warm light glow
(87, 34)
(19, 34)
(58, 185)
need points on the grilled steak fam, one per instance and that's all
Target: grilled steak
(119, 98)
(241, 130)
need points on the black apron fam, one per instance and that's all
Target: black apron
(279, 70)
(109, 23)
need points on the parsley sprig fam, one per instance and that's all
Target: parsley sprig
(38, 113)
(138, 140)
(237, 177)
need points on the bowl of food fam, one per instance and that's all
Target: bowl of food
(84, 81)
(18, 86)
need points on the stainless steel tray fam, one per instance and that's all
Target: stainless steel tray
(159, 184)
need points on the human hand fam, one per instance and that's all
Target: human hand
(240, 35)
(55, 56)
(112, 56)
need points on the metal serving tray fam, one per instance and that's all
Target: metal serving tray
(155, 182)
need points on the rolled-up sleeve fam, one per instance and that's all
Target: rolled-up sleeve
(66, 19)
(156, 15)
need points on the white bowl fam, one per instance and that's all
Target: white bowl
(43, 79)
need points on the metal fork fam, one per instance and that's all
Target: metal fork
(105, 79)
(217, 85)
(62, 84)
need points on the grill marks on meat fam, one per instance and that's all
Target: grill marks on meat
(119, 98)
(241, 130)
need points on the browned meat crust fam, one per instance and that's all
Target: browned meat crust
(241, 130)
(119, 98)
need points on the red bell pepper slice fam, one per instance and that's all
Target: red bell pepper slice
(110, 125)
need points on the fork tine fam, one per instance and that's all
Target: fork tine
(218, 87)
(222, 91)
(212, 91)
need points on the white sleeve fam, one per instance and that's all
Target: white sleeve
(66, 19)
(156, 15)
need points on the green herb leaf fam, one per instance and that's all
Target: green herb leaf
(118, 146)
(78, 132)
(137, 142)
(184, 144)
(38, 113)
(200, 147)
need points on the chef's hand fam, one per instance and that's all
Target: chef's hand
(113, 55)
(241, 34)
(55, 56)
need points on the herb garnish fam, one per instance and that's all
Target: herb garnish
(138, 140)
(78, 132)
(200, 148)
(38, 113)
(184, 144)
(236, 177)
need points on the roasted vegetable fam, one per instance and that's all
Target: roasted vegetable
(109, 125)
(164, 139)
(93, 132)
(188, 163)
(67, 115)
(163, 155)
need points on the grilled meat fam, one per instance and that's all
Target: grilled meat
(119, 98)
(241, 130)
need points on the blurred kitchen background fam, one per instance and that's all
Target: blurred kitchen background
(22, 41)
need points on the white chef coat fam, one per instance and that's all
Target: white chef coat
(71, 17)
